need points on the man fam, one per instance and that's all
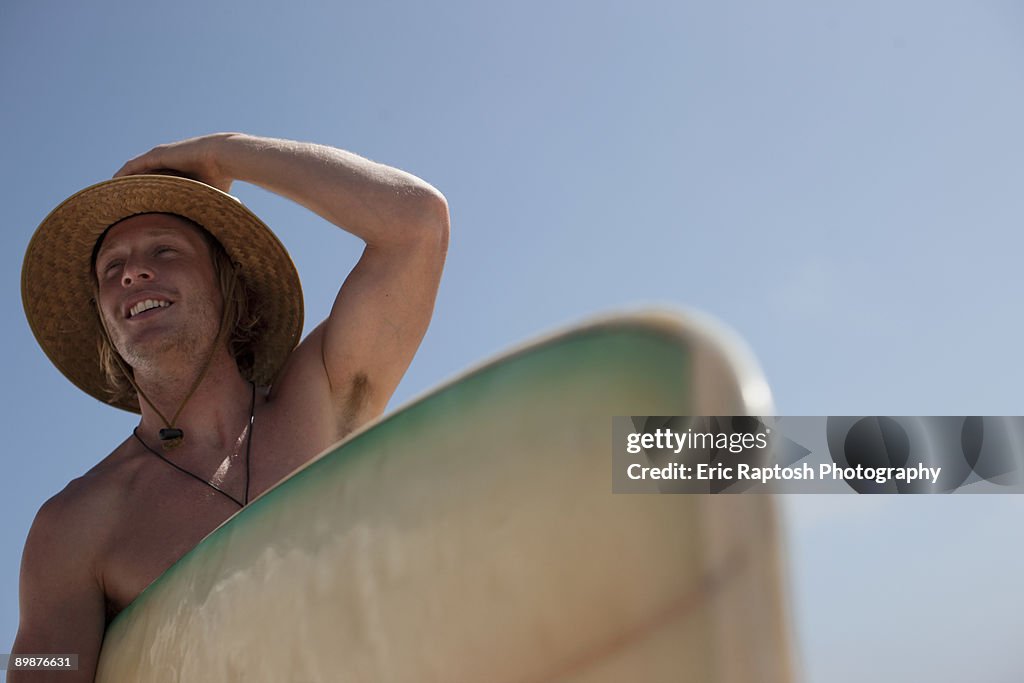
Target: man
(167, 297)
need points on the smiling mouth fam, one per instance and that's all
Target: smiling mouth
(147, 305)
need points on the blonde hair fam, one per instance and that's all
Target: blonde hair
(241, 318)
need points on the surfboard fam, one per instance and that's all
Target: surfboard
(473, 535)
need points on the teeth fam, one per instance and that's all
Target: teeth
(143, 306)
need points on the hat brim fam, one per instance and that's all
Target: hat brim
(57, 281)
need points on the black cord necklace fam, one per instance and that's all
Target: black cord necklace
(248, 449)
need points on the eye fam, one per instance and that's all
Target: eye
(111, 267)
(163, 249)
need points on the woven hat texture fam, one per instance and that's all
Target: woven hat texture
(57, 278)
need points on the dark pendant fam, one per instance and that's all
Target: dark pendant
(171, 437)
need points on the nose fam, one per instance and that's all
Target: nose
(133, 272)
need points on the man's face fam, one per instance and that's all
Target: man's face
(158, 291)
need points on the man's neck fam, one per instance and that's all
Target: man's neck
(212, 414)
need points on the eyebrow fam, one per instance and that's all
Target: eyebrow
(160, 232)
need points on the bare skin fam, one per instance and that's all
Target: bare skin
(98, 543)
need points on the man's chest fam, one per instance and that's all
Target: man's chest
(165, 511)
(158, 527)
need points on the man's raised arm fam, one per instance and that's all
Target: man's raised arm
(382, 311)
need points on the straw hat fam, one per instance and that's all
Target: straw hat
(57, 279)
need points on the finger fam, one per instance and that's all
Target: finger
(143, 163)
(132, 167)
(124, 170)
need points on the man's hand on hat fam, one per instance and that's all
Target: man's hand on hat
(195, 158)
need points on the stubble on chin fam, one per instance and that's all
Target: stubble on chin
(177, 348)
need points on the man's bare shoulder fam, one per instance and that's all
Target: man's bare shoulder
(86, 502)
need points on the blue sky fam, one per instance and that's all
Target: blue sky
(839, 182)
